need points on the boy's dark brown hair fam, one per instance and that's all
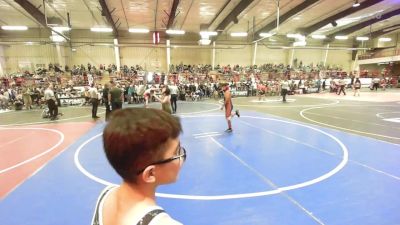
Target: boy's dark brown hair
(136, 137)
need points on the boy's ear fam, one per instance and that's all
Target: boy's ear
(148, 175)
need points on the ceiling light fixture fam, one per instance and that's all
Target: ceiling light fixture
(61, 29)
(208, 33)
(56, 38)
(341, 37)
(356, 4)
(362, 38)
(101, 29)
(239, 34)
(384, 39)
(299, 43)
(204, 42)
(14, 27)
(139, 30)
(266, 35)
(318, 36)
(175, 32)
(299, 36)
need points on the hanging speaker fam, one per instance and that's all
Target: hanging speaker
(334, 24)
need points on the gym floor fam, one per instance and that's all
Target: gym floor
(317, 159)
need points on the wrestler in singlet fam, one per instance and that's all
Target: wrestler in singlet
(261, 89)
(228, 104)
(147, 95)
(228, 108)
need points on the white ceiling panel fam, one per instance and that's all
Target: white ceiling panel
(223, 14)
(139, 14)
(201, 12)
(285, 6)
(257, 13)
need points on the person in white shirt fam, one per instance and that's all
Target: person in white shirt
(94, 99)
(51, 102)
(284, 89)
(143, 147)
(375, 83)
(342, 86)
(174, 96)
(90, 79)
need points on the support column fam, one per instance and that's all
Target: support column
(277, 15)
(291, 58)
(213, 56)
(356, 66)
(326, 54)
(116, 53)
(60, 58)
(168, 56)
(2, 61)
(255, 54)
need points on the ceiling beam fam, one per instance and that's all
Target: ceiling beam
(38, 16)
(90, 11)
(322, 23)
(382, 31)
(361, 25)
(297, 9)
(56, 11)
(219, 12)
(22, 12)
(232, 16)
(3, 22)
(172, 14)
(33, 11)
(107, 14)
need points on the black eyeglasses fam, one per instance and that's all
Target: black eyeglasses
(181, 153)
